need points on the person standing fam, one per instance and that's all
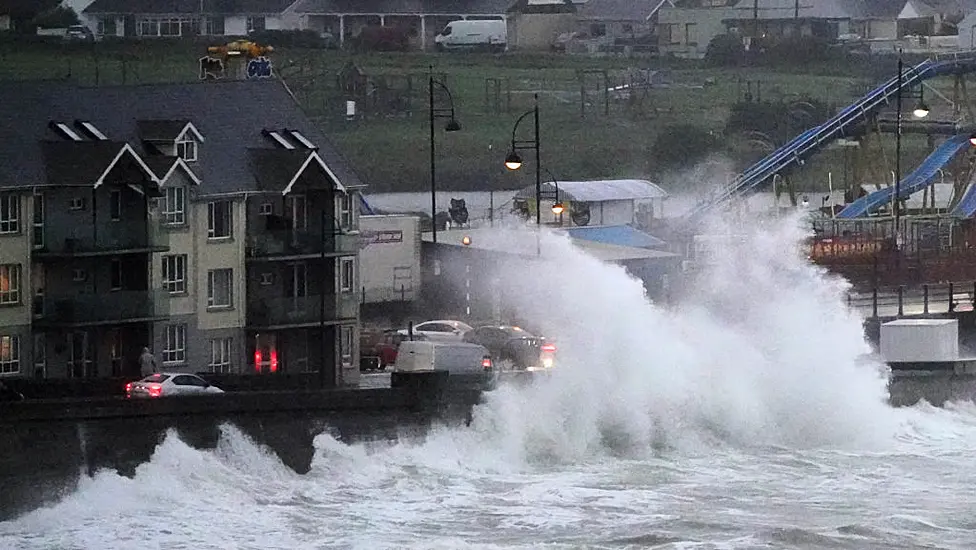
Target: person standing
(147, 363)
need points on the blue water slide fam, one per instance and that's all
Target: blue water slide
(813, 139)
(364, 207)
(915, 181)
(966, 206)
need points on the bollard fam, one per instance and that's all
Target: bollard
(925, 299)
(410, 330)
(952, 299)
(901, 301)
(874, 303)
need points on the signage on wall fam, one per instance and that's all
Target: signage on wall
(211, 68)
(367, 238)
(259, 67)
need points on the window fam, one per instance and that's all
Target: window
(691, 34)
(9, 213)
(77, 203)
(215, 26)
(296, 281)
(106, 27)
(9, 354)
(345, 211)
(266, 209)
(40, 355)
(175, 347)
(174, 273)
(220, 288)
(347, 275)
(9, 284)
(78, 275)
(174, 206)
(255, 24)
(149, 27)
(296, 209)
(116, 275)
(38, 221)
(267, 279)
(187, 150)
(345, 344)
(115, 205)
(219, 220)
(220, 355)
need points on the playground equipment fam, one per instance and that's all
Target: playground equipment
(243, 58)
(842, 125)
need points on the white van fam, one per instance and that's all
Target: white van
(490, 34)
(454, 357)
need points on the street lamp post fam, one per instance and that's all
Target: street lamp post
(514, 161)
(557, 206)
(897, 205)
(451, 126)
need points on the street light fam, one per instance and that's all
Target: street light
(557, 206)
(514, 161)
(921, 109)
(451, 126)
(897, 205)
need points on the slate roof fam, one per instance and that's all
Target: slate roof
(394, 7)
(620, 10)
(230, 115)
(187, 6)
(77, 162)
(160, 130)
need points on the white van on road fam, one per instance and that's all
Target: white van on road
(489, 34)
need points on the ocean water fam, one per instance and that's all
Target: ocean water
(749, 415)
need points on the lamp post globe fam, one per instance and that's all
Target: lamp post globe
(513, 161)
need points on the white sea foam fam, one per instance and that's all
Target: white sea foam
(744, 415)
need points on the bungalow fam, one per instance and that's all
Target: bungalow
(535, 24)
(182, 18)
(685, 27)
(425, 18)
(626, 21)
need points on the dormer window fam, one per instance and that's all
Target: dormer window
(187, 150)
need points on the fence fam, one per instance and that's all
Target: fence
(927, 299)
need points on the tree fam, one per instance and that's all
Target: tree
(58, 17)
(22, 12)
(682, 145)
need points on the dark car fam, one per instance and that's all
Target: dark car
(514, 345)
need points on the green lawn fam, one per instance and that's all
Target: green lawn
(390, 149)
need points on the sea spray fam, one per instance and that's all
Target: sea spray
(762, 351)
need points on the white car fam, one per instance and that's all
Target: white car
(165, 384)
(439, 331)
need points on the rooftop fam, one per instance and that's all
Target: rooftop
(597, 190)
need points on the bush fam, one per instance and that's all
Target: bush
(307, 39)
(682, 145)
(59, 17)
(796, 50)
(725, 49)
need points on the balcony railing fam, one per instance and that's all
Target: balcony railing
(298, 243)
(266, 312)
(105, 308)
(137, 239)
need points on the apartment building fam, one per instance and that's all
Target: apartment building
(210, 222)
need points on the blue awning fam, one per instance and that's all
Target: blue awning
(620, 235)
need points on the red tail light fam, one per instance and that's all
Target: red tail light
(155, 390)
(128, 388)
(274, 360)
(486, 363)
(257, 360)
(551, 348)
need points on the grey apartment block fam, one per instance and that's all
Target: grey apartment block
(158, 216)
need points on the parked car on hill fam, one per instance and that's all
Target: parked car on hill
(514, 345)
(164, 384)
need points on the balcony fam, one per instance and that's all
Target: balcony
(302, 310)
(295, 244)
(107, 308)
(133, 240)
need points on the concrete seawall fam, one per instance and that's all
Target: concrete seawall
(47, 445)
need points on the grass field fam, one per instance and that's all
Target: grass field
(599, 137)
